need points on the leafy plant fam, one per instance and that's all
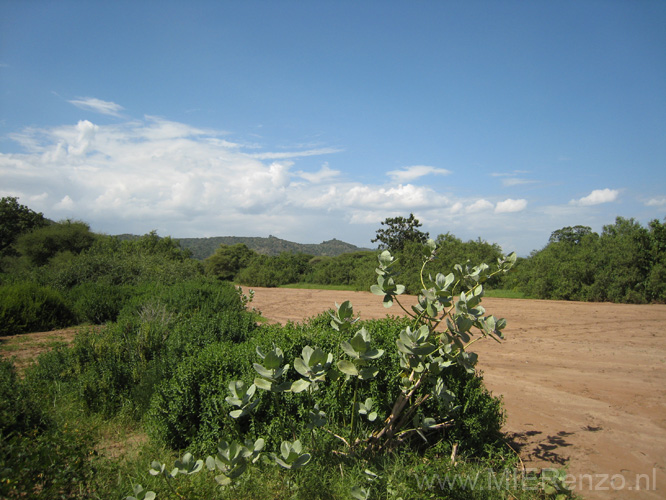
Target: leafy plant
(447, 315)
(291, 457)
(28, 307)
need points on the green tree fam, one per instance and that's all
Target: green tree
(44, 243)
(570, 234)
(398, 231)
(228, 260)
(624, 263)
(270, 271)
(656, 281)
(15, 220)
(151, 244)
(565, 269)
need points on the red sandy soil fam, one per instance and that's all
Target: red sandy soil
(583, 384)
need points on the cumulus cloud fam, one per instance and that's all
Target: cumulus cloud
(65, 204)
(407, 174)
(139, 175)
(479, 206)
(401, 197)
(597, 197)
(98, 106)
(656, 202)
(510, 205)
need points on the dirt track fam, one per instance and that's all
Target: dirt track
(584, 384)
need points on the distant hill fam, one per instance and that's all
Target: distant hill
(205, 247)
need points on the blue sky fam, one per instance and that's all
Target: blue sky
(503, 120)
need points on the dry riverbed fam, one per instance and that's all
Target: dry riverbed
(583, 384)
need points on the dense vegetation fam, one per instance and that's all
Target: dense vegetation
(625, 263)
(355, 270)
(175, 344)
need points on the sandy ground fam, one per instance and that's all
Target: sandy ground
(25, 348)
(583, 384)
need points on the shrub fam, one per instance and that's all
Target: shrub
(38, 459)
(188, 409)
(115, 368)
(98, 302)
(19, 412)
(26, 307)
(402, 383)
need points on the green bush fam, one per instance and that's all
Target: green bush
(188, 409)
(43, 243)
(273, 271)
(19, 412)
(355, 269)
(38, 459)
(115, 368)
(56, 365)
(26, 307)
(53, 464)
(98, 302)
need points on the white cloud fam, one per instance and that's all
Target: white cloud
(39, 197)
(516, 181)
(324, 174)
(479, 206)
(154, 170)
(140, 175)
(85, 138)
(407, 174)
(295, 154)
(656, 202)
(65, 204)
(597, 197)
(407, 197)
(98, 106)
(510, 205)
(513, 178)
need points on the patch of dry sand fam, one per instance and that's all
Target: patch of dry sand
(584, 384)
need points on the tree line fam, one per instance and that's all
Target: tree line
(626, 262)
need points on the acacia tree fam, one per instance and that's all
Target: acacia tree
(570, 234)
(228, 260)
(16, 219)
(656, 281)
(44, 243)
(400, 230)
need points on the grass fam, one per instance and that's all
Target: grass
(505, 294)
(393, 475)
(24, 344)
